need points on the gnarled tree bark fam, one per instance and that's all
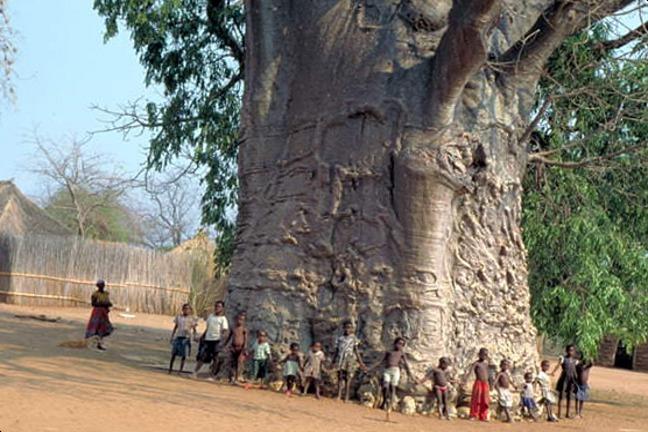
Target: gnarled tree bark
(381, 168)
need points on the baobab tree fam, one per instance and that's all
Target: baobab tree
(382, 151)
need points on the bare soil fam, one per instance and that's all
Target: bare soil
(44, 387)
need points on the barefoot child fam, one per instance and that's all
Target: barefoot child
(183, 331)
(568, 380)
(582, 388)
(261, 358)
(347, 359)
(210, 341)
(480, 398)
(292, 367)
(392, 361)
(528, 397)
(313, 368)
(548, 399)
(503, 384)
(439, 386)
(237, 341)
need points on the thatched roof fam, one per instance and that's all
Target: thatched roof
(19, 215)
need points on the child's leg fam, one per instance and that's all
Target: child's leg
(347, 385)
(507, 414)
(182, 363)
(568, 402)
(317, 388)
(240, 367)
(560, 398)
(171, 362)
(444, 401)
(340, 384)
(307, 383)
(438, 396)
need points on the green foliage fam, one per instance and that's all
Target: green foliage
(193, 50)
(585, 219)
(110, 220)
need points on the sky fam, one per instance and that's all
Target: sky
(63, 67)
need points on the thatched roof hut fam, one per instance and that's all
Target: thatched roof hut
(20, 216)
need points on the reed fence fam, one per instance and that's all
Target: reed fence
(62, 271)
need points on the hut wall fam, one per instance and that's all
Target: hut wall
(607, 351)
(641, 358)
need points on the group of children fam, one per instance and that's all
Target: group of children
(572, 383)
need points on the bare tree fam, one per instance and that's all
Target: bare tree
(170, 215)
(91, 181)
(7, 52)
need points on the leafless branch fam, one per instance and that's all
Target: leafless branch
(588, 162)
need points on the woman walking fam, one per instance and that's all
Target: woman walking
(99, 325)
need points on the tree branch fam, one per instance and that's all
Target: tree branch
(461, 53)
(632, 35)
(526, 58)
(538, 157)
(217, 27)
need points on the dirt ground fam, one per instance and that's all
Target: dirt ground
(44, 387)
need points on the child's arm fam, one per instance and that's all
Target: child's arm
(359, 358)
(175, 328)
(407, 367)
(553, 371)
(378, 363)
(466, 375)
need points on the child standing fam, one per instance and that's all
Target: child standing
(392, 361)
(313, 368)
(582, 390)
(548, 399)
(528, 397)
(568, 380)
(237, 341)
(346, 359)
(439, 386)
(503, 384)
(210, 341)
(183, 331)
(261, 358)
(480, 399)
(292, 367)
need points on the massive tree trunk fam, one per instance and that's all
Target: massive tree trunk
(381, 167)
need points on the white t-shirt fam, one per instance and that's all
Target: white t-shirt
(215, 327)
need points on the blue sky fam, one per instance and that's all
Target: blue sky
(63, 67)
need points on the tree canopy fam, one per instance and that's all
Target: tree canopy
(193, 50)
(585, 219)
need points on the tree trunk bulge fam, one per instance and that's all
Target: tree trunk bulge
(381, 170)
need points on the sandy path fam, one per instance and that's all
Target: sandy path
(47, 388)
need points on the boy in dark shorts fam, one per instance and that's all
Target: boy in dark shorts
(347, 358)
(237, 342)
(480, 398)
(582, 388)
(439, 386)
(528, 397)
(183, 331)
(210, 342)
(503, 383)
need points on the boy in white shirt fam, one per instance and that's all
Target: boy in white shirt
(210, 342)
